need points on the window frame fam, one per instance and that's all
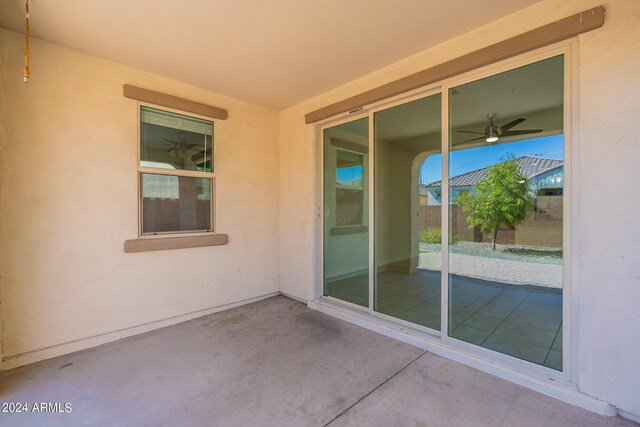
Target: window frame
(361, 189)
(140, 170)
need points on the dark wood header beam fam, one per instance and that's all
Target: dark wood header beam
(174, 102)
(546, 35)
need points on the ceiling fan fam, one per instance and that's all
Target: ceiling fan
(493, 132)
(180, 145)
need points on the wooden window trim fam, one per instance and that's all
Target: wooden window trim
(170, 101)
(166, 243)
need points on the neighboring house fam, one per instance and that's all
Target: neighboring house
(545, 178)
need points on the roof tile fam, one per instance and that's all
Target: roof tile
(529, 166)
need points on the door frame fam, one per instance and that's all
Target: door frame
(318, 291)
(569, 375)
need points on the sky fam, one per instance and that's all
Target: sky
(463, 161)
(346, 176)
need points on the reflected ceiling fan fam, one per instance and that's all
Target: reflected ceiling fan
(180, 145)
(493, 132)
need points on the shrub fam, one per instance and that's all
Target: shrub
(503, 196)
(434, 235)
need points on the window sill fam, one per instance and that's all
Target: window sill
(341, 231)
(165, 243)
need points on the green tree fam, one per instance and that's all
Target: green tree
(501, 197)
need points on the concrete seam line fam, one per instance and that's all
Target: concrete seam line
(374, 389)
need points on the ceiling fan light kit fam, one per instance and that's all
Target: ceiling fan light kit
(492, 138)
(179, 145)
(493, 132)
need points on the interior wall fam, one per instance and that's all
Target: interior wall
(609, 274)
(69, 199)
(393, 206)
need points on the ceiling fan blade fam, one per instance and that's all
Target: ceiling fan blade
(469, 140)
(470, 131)
(521, 132)
(511, 124)
(172, 141)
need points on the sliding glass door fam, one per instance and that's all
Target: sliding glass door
(506, 169)
(493, 222)
(407, 141)
(346, 212)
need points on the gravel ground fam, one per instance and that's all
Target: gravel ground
(508, 252)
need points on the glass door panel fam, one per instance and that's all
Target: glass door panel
(407, 216)
(346, 212)
(506, 175)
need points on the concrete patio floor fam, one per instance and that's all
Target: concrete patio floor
(274, 363)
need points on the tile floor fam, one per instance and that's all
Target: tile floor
(521, 321)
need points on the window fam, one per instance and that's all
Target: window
(349, 188)
(175, 172)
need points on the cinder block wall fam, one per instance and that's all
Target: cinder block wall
(543, 228)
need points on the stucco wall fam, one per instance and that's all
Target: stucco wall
(68, 197)
(608, 285)
(68, 201)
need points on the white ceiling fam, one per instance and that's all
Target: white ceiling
(274, 53)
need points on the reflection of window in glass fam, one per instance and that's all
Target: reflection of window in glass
(349, 169)
(349, 188)
(172, 200)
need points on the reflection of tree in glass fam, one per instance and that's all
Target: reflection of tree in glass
(501, 197)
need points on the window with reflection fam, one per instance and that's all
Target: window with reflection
(506, 179)
(346, 212)
(349, 188)
(176, 172)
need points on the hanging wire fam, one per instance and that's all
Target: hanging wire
(26, 48)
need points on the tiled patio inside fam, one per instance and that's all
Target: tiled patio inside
(521, 321)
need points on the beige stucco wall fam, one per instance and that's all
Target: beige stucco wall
(68, 198)
(608, 285)
(68, 201)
